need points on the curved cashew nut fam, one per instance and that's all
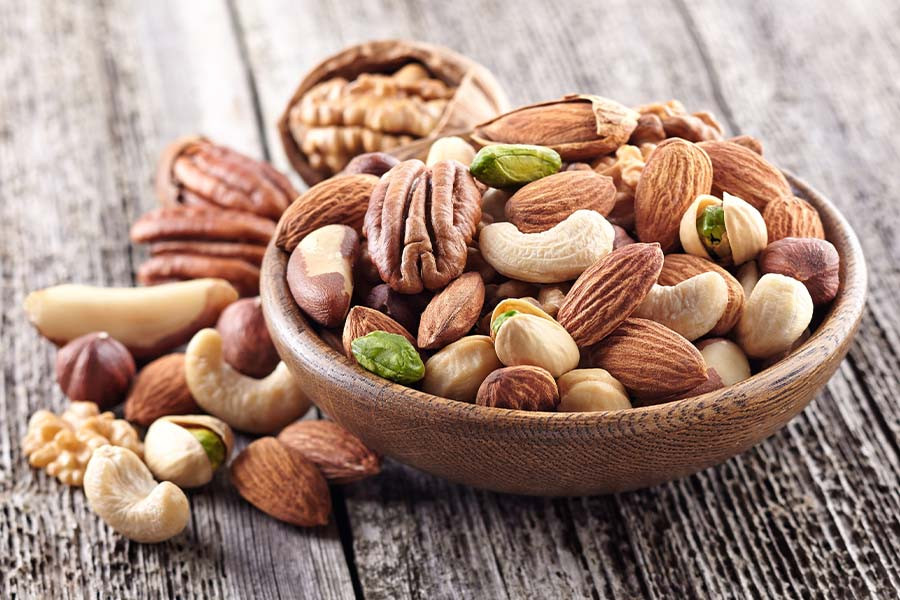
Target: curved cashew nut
(559, 254)
(121, 490)
(247, 404)
(777, 312)
(691, 308)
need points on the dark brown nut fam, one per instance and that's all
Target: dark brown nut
(748, 141)
(320, 273)
(649, 130)
(697, 127)
(622, 238)
(193, 223)
(341, 200)
(159, 390)
(512, 288)
(577, 166)
(371, 163)
(519, 388)
(251, 253)
(332, 338)
(420, 221)
(547, 202)
(789, 216)
(209, 173)
(94, 368)
(475, 263)
(406, 309)
(713, 382)
(452, 313)
(246, 344)
(178, 267)
(362, 320)
(340, 455)
(812, 261)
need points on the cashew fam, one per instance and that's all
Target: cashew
(740, 236)
(458, 369)
(559, 254)
(148, 320)
(727, 358)
(691, 308)
(528, 339)
(450, 148)
(775, 315)
(121, 490)
(247, 404)
(586, 390)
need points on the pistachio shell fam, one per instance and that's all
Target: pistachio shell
(690, 239)
(174, 454)
(520, 305)
(746, 229)
(528, 339)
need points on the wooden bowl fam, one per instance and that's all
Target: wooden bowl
(565, 454)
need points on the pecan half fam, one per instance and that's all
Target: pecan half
(194, 223)
(251, 253)
(419, 221)
(194, 170)
(168, 267)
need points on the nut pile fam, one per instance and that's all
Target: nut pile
(588, 256)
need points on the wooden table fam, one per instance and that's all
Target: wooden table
(90, 93)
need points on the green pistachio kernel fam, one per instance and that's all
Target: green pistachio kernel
(388, 355)
(212, 444)
(501, 319)
(711, 227)
(510, 165)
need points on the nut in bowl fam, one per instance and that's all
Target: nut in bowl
(628, 337)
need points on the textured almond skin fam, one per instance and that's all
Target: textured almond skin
(452, 313)
(159, 390)
(608, 291)
(340, 455)
(320, 273)
(790, 216)
(278, 480)
(546, 202)
(649, 359)
(675, 174)
(678, 267)
(813, 262)
(362, 320)
(747, 141)
(713, 382)
(519, 388)
(742, 172)
(340, 200)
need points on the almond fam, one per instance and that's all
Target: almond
(789, 216)
(747, 141)
(278, 480)
(679, 267)
(159, 390)
(362, 320)
(675, 174)
(650, 359)
(340, 455)
(548, 201)
(520, 388)
(713, 382)
(742, 172)
(340, 200)
(608, 291)
(452, 313)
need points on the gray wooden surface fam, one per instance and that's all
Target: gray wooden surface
(89, 94)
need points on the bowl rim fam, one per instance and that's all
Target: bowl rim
(841, 321)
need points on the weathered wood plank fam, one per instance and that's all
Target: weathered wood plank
(90, 94)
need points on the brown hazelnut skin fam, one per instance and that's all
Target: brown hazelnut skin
(812, 261)
(406, 309)
(95, 368)
(371, 163)
(246, 344)
(521, 387)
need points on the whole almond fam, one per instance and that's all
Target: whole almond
(520, 388)
(548, 201)
(789, 216)
(608, 291)
(675, 174)
(650, 359)
(679, 267)
(713, 382)
(340, 455)
(340, 200)
(452, 313)
(362, 320)
(159, 390)
(278, 480)
(742, 172)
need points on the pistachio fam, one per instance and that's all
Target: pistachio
(585, 390)
(524, 339)
(510, 165)
(388, 355)
(728, 230)
(457, 370)
(187, 450)
(501, 319)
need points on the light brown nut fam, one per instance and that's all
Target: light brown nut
(452, 312)
(548, 201)
(493, 205)
(187, 450)
(528, 306)
(281, 482)
(586, 390)
(745, 174)
(552, 296)
(406, 309)
(362, 320)
(341, 200)
(690, 308)
(813, 262)
(95, 368)
(649, 130)
(450, 148)
(207, 224)
(576, 126)
(457, 370)
(727, 358)
(320, 273)
(250, 253)
(160, 389)
(340, 455)
(527, 339)
(419, 223)
(676, 173)
(370, 163)
(789, 216)
(777, 312)
(519, 388)
(747, 141)
(222, 177)
(745, 230)
(475, 263)
(245, 338)
(165, 268)
(605, 294)
(697, 127)
(679, 267)
(649, 359)
(713, 382)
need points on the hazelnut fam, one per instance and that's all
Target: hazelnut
(406, 309)
(95, 368)
(812, 261)
(522, 388)
(245, 338)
